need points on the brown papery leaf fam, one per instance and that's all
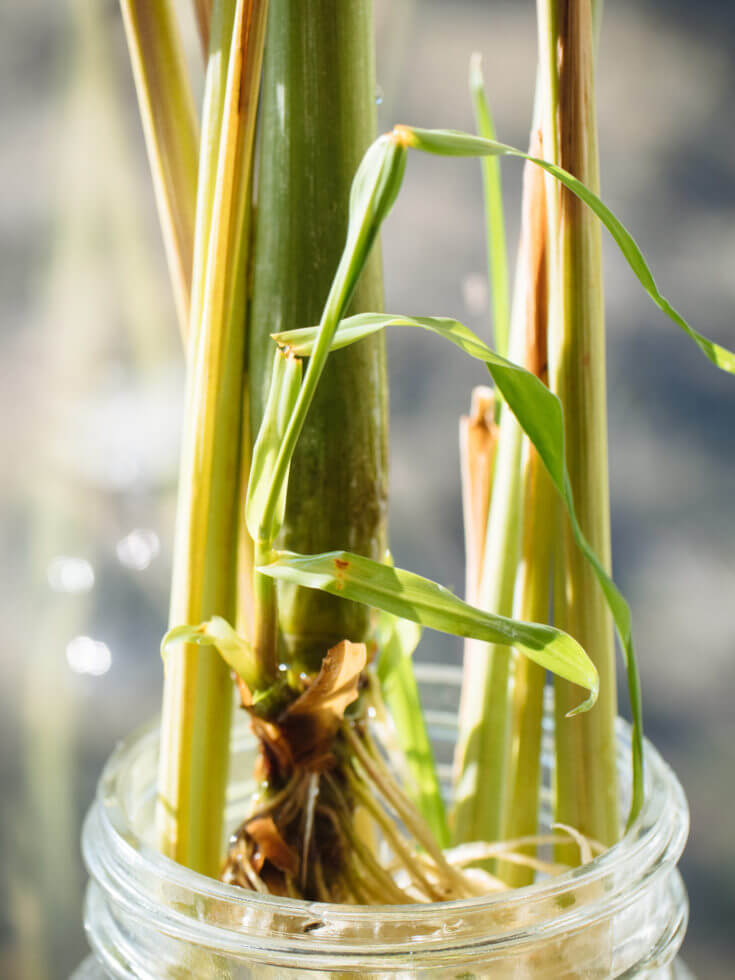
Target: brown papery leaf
(271, 846)
(312, 721)
(278, 755)
(335, 686)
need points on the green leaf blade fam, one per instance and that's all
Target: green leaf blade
(397, 639)
(374, 190)
(539, 413)
(284, 390)
(453, 143)
(494, 220)
(217, 632)
(537, 410)
(422, 601)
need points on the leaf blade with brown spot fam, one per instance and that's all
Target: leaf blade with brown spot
(412, 597)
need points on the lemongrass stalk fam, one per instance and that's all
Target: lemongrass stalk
(401, 693)
(483, 747)
(171, 133)
(197, 690)
(520, 818)
(497, 255)
(318, 117)
(586, 774)
(532, 597)
(215, 86)
(478, 444)
(482, 743)
(396, 641)
(203, 14)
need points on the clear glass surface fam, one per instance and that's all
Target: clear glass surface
(623, 915)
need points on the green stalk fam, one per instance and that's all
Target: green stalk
(403, 698)
(493, 192)
(532, 598)
(197, 690)
(171, 133)
(533, 601)
(586, 773)
(484, 744)
(318, 117)
(400, 690)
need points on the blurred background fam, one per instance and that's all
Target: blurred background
(91, 398)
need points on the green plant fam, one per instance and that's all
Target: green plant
(281, 519)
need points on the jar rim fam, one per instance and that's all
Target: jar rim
(140, 878)
(657, 807)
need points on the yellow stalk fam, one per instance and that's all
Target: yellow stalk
(532, 599)
(483, 746)
(197, 691)
(215, 88)
(481, 753)
(171, 133)
(521, 813)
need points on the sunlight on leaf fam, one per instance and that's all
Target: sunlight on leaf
(410, 596)
(539, 413)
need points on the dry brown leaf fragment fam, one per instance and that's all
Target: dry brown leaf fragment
(311, 722)
(335, 686)
(303, 734)
(478, 437)
(277, 756)
(270, 846)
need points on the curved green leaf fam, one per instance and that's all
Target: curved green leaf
(217, 632)
(410, 596)
(445, 142)
(539, 413)
(537, 410)
(374, 190)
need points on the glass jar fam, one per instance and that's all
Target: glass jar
(622, 915)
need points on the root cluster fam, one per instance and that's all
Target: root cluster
(332, 824)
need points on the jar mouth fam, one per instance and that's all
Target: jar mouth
(126, 867)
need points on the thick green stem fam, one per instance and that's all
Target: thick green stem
(318, 117)
(586, 774)
(197, 691)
